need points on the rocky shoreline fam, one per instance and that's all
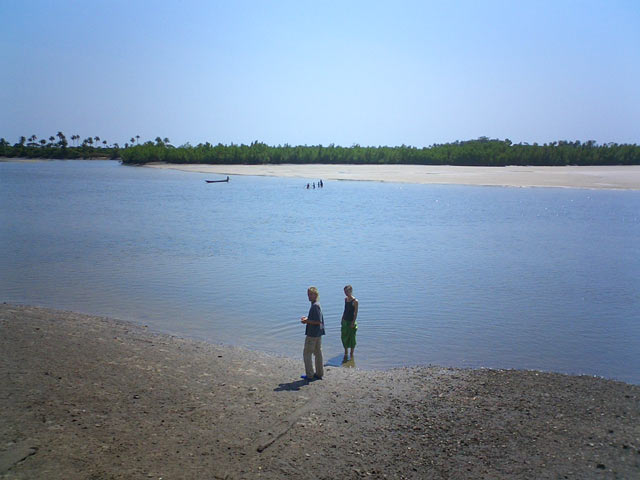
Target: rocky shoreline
(86, 397)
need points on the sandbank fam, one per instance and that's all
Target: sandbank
(85, 397)
(592, 177)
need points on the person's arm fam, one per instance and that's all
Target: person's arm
(355, 313)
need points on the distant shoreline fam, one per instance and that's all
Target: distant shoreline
(34, 160)
(599, 177)
(617, 177)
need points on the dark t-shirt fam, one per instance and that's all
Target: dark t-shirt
(315, 315)
(349, 310)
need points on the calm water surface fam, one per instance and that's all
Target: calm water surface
(462, 276)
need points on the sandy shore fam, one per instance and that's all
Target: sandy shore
(617, 177)
(599, 177)
(94, 398)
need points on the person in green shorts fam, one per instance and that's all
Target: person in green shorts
(348, 324)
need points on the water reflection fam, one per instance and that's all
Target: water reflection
(348, 362)
(343, 361)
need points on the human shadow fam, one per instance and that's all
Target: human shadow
(341, 361)
(334, 361)
(291, 386)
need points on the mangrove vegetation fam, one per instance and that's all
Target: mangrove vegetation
(479, 152)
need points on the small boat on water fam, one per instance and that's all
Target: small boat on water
(218, 181)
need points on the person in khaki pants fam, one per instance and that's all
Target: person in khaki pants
(313, 340)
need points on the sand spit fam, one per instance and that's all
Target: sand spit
(593, 177)
(87, 397)
(616, 177)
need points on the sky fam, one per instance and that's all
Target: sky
(321, 72)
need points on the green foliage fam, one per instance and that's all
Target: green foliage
(57, 149)
(480, 152)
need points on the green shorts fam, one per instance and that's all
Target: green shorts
(348, 334)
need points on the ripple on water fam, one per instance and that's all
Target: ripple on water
(461, 276)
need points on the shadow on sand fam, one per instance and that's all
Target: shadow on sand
(291, 387)
(337, 361)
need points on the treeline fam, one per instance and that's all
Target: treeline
(480, 152)
(58, 147)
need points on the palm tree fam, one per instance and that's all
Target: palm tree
(63, 140)
(137, 138)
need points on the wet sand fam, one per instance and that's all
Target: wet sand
(86, 397)
(593, 177)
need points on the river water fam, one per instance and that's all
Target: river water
(527, 278)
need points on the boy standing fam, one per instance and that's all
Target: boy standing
(313, 340)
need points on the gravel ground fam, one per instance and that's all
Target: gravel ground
(87, 397)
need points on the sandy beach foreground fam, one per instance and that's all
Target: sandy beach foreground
(95, 398)
(595, 177)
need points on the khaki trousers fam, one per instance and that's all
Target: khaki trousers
(313, 346)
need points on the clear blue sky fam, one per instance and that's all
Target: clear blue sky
(321, 72)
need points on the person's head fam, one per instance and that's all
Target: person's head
(348, 290)
(312, 293)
